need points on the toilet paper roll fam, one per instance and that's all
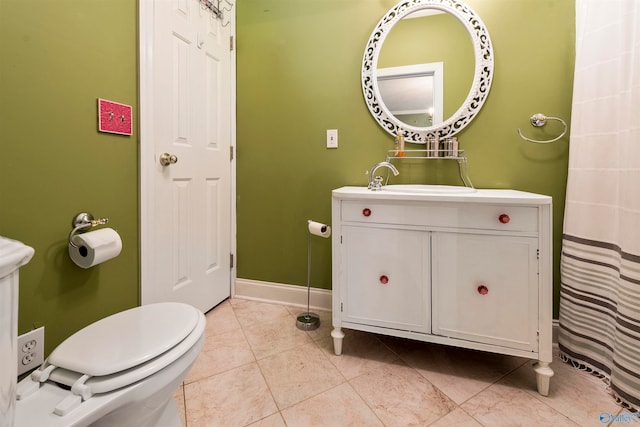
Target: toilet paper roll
(319, 229)
(95, 247)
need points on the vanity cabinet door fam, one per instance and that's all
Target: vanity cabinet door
(485, 289)
(385, 278)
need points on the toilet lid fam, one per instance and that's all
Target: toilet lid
(126, 339)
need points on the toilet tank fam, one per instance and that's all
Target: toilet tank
(13, 255)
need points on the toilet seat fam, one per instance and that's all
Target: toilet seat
(126, 339)
(118, 351)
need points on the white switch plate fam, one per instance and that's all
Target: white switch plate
(332, 138)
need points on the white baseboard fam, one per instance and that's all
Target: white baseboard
(280, 293)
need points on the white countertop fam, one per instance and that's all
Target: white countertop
(479, 196)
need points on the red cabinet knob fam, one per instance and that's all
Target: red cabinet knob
(384, 279)
(483, 290)
(366, 212)
(504, 218)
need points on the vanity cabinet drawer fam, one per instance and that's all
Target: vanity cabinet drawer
(393, 213)
(491, 217)
(497, 217)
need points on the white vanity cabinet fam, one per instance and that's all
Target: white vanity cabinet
(466, 269)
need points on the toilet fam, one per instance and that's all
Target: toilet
(119, 371)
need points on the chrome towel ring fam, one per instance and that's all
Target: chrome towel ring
(539, 120)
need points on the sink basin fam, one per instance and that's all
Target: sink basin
(428, 189)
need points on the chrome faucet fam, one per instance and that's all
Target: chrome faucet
(375, 182)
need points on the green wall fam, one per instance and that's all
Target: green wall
(298, 74)
(56, 58)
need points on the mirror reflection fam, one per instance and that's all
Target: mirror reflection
(413, 94)
(425, 68)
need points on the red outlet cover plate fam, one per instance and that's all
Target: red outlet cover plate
(114, 117)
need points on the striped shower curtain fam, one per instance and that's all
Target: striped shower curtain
(600, 267)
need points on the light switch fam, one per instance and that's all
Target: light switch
(332, 138)
(114, 117)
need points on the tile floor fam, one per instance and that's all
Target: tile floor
(258, 369)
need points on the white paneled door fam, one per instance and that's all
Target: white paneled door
(186, 140)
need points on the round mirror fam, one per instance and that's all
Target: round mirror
(431, 74)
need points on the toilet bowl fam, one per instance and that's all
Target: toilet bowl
(119, 371)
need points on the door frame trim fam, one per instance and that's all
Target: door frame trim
(147, 161)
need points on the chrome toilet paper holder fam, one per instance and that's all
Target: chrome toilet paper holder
(82, 221)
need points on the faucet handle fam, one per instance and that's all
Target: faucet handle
(376, 184)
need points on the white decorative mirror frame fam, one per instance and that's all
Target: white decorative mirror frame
(482, 76)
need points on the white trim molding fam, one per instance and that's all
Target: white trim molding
(280, 293)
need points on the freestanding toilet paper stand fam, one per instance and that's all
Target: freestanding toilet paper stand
(308, 321)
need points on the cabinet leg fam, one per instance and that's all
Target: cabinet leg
(337, 336)
(543, 375)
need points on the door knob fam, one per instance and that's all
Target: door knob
(167, 159)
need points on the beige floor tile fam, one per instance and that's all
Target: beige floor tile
(297, 374)
(361, 352)
(576, 394)
(401, 397)
(272, 337)
(220, 353)
(274, 420)
(221, 319)
(459, 373)
(456, 418)
(253, 312)
(402, 382)
(339, 406)
(233, 398)
(502, 405)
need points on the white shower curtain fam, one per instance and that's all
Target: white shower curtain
(600, 268)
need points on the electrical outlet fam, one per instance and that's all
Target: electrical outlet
(30, 350)
(332, 138)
